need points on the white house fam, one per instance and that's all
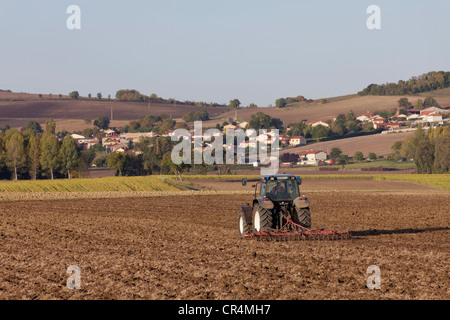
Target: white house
(434, 117)
(243, 125)
(77, 136)
(312, 157)
(297, 141)
(317, 123)
(365, 117)
(430, 116)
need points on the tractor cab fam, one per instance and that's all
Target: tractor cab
(280, 187)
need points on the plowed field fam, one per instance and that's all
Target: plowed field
(187, 248)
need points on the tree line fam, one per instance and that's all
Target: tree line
(136, 96)
(429, 149)
(424, 83)
(33, 153)
(283, 102)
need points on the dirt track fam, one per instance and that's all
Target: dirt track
(187, 248)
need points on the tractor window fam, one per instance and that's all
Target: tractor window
(282, 189)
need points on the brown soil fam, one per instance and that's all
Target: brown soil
(85, 109)
(309, 185)
(187, 248)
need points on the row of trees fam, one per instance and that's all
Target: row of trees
(76, 95)
(201, 115)
(283, 102)
(429, 149)
(420, 104)
(136, 96)
(27, 152)
(424, 83)
(150, 123)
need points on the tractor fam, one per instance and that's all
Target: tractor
(278, 211)
(277, 201)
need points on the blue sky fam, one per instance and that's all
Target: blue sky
(218, 50)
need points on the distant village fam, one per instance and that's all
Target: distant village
(114, 141)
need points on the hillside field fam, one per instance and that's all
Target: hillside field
(380, 144)
(317, 111)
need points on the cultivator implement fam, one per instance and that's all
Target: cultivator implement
(293, 231)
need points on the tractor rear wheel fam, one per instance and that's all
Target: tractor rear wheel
(243, 227)
(302, 216)
(262, 219)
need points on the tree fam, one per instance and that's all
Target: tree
(49, 153)
(338, 128)
(351, 123)
(74, 95)
(102, 122)
(430, 102)
(116, 161)
(34, 126)
(34, 155)
(420, 148)
(289, 158)
(404, 103)
(442, 154)
(280, 103)
(167, 166)
(263, 121)
(15, 153)
(335, 153)
(89, 95)
(372, 156)
(419, 104)
(342, 160)
(320, 132)
(50, 126)
(235, 103)
(201, 115)
(99, 96)
(367, 126)
(358, 156)
(68, 155)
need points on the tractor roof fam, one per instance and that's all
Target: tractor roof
(281, 177)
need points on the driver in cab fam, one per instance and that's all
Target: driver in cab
(277, 189)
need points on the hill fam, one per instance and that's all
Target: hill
(316, 110)
(17, 109)
(380, 144)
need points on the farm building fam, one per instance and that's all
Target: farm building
(317, 123)
(297, 141)
(312, 157)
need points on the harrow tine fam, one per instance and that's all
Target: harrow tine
(292, 231)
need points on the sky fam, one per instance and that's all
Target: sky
(217, 50)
